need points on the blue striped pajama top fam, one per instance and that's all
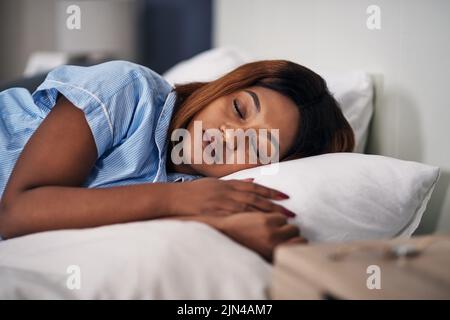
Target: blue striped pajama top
(128, 108)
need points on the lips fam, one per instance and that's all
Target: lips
(209, 140)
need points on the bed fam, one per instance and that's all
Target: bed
(163, 259)
(144, 260)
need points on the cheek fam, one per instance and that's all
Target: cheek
(213, 113)
(221, 170)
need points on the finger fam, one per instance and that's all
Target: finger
(260, 203)
(287, 232)
(254, 200)
(258, 189)
(296, 240)
(276, 219)
(234, 205)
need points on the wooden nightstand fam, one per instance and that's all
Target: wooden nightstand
(416, 268)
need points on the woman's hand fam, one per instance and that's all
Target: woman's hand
(210, 196)
(260, 231)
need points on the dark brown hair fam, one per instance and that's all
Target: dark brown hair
(322, 127)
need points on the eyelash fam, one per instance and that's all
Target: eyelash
(236, 107)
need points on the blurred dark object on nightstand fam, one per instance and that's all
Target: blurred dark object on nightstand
(170, 31)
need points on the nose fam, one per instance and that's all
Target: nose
(232, 138)
(229, 137)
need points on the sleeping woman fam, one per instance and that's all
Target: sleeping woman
(95, 146)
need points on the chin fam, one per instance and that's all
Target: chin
(212, 171)
(220, 170)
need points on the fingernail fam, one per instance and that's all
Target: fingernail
(288, 213)
(249, 179)
(281, 195)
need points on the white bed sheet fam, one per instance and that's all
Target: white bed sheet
(142, 260)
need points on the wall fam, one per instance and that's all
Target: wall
(27, 26)
(409, 57)
(156, 33)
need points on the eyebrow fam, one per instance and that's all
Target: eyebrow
(255, 99)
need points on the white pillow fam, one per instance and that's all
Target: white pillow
(350, 196)
(207, 66)
(353, 90)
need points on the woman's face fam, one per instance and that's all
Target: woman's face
(253, 108)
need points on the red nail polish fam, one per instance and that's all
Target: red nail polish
(288, 213)
(282, 195)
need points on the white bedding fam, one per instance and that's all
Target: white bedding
(164, 259)
(142, 260)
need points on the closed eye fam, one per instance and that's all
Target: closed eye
(237, 108)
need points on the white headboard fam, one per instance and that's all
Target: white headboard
(408, 57)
